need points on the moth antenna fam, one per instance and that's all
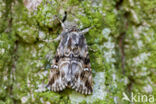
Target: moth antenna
(62, 24)
(85, 30)
(57, 39)
(65, 16)
(53, 40)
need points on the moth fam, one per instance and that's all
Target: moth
(71, 65)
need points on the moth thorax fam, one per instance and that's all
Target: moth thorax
(71, 26)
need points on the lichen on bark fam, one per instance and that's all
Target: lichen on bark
(121, 44)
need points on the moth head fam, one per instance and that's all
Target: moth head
(71, 26)
(72, 36)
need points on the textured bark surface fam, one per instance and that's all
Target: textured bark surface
(121, 44)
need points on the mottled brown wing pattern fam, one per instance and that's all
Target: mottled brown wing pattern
(82, 81)
(71, 65)
(56, 81)
(83, 77)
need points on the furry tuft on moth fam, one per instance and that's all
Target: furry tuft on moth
(71, 65)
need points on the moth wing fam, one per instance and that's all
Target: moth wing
(83, 80)
(83, 75)
(56, 82)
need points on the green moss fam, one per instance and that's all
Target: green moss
(52, 97)
(45, 14)
(25, 59)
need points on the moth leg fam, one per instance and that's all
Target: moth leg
(93, 50)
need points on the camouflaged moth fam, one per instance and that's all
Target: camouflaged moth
(71, 65)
